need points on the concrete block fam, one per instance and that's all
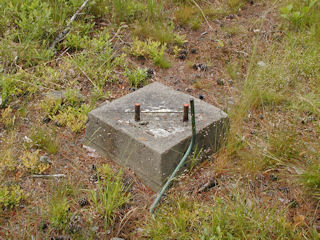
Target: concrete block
(153, 147)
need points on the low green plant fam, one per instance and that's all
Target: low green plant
(76, 42)
(188, 16)
(31, 162)
(44, 139)
(7, 117)
(237, 217)
(58, 211)
(73, 117)
(110, 193)
(152, 49)
(11, 196)
(67, 110)
(159, 31)
(311, 179)
(301, 13)
(137, 77)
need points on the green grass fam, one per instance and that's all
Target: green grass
(237, 217)
(109, 195)
(44, 139)
(267, 133)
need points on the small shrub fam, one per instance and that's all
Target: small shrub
(73, 117)
(11, 197)
(31, 161)
(76, 42)
(137, 77)
(153, 49)
(7, 117)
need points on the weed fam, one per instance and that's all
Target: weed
(76, 42)
(234, 5)
(31, 161)
(153, 49)
(58, 211)
(72, 117)
(237, 217)
(7, 117)
(11, 196)
(44, 139)
(110, 194)
(301, 13)
(7, 161)
(188, 16)
(137, 77)
(311, 179)
(161, 32)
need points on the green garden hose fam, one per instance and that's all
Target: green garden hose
(184, 158)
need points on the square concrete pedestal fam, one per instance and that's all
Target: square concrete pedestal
(153, 146)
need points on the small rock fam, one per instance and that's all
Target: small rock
(45, 159)
(116, 238)
(143, 123)
(261, 117)
(94, 229)
(132, 89)
(189, 90)
(193, 51)
(120, 81)
(201, 97)
(203, 67)
(220, 82)
(261, 64)
(231, 16)
(210, 184)
(284, 189)
(178, 89)
(57, 124)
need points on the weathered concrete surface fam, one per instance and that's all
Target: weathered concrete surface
(154, 146)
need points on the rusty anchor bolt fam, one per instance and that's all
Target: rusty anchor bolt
(137, 112)
(185, 112)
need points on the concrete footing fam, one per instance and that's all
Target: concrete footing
(153, 146)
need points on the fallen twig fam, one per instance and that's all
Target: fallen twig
(204, 16)
(47, 175)
(62, 35)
